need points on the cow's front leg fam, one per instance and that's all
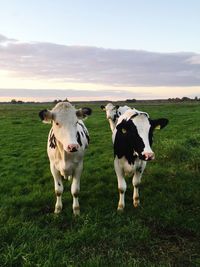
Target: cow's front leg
(75, 188)
(121, 185)
(136, 182)
(58, 188)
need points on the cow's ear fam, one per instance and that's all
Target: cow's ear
(103, 107)
(159, 123)
(83, 112)
(46, 116)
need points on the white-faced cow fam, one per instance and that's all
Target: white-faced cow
(67, 141)
(132, 139)
(113, 113)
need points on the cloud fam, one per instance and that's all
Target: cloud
(194, 60)
(78, 64)
(4, 38)
(4, 41)
(111, 95)
(50, 95)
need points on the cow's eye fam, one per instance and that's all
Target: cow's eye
(57, 123)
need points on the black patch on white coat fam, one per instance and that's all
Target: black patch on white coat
(117, 114)
(127, 140)
(78, 136)
(84, 131)
(52, 140)
(88, 138)
(115, 117)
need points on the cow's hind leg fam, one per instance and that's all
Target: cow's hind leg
(121, 185)
(75, 188)
(58, 188)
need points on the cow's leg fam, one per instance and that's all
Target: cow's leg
(75, 188)
(136, 182)
(58, 188)
(121, 185)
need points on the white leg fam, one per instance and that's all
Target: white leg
(58, 188)
(121, 185)
(136, 182)
(75, 188)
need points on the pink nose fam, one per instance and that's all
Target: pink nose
(72, 147)
(149, 155)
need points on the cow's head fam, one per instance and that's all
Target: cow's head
(64, 118)
(136, 131)
(111, 111)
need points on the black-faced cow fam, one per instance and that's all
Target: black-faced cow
(132, 139)
(113, 113)
(67, 141)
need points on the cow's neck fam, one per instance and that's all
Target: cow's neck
(112, 125)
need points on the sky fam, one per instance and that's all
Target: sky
(95, 49)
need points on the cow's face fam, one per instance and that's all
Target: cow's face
(137, 134)
(111, 111)
(64, 118)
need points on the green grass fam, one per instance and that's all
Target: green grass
(164, 231)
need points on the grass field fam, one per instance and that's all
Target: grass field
(164, 231)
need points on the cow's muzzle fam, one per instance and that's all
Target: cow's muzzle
(72, 148)
(147, 156)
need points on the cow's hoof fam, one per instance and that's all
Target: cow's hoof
(76, 211)
(136, 204)
(120, 208)
(58, 210)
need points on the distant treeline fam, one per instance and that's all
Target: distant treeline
(177, 99)
(133, 100)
